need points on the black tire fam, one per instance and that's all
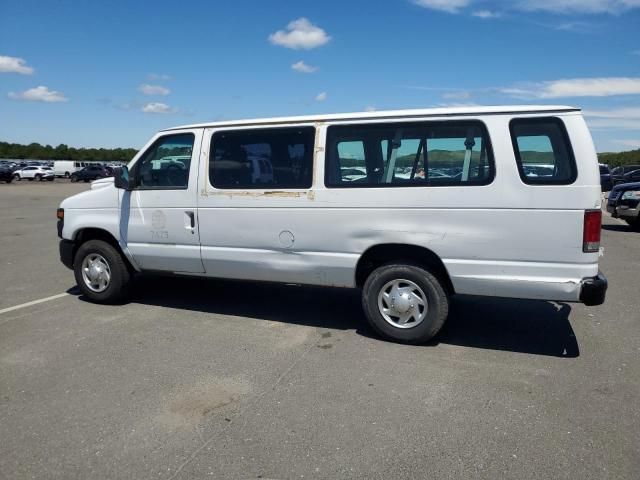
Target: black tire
(118, 288)
(86, 180)
(37, 177)
(74, 179)
(436, 296)
(9, 180)
(16, 177)
(50, 179)
(66, 175)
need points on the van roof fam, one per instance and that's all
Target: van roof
(383, 114)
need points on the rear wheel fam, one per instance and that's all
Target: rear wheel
(66, 174)
(101, 272)
(405, 303)
(74, 179)
(37, 177)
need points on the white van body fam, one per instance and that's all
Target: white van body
(504, 237)
(64, 168)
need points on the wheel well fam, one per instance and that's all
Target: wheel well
(379, 255)
(87, 234)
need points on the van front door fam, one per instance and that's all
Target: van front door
(158, 218)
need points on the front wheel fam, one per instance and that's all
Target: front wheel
(101, 272)
(38, 177)
(405, 303)
(74, 179)
(16, 177)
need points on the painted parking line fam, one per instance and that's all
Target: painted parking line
(34, 302)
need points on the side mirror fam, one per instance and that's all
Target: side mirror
(122, 179)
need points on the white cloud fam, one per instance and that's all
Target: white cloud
(629, 143)
(153, 89)
(579, 6)
(158, 76)
(457, 95)
(157, 107)
(576, 87)
(449, 6)
(486, 14)
(321, 97)
(303, 67)
(300, 34)
(14, 65)
(370, 108)
(39, 94)
(627, 118)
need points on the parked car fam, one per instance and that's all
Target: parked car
(623, 203)
(34, 173)
(490, 227)
(605, 178)
(89, 173)
(630, 177)
(6, 173)
(617, 174)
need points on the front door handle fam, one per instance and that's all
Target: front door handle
(190, 221)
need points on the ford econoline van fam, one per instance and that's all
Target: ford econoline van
(411, 207)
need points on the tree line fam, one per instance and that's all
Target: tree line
(632, 157)
(35, 151)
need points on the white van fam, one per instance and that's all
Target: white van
(64, 168)
(497, 201)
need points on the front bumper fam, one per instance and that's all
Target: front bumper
(66, 253)
(626, 212)
(593, 290)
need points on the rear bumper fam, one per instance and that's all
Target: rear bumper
(66, 253)
(593, 290)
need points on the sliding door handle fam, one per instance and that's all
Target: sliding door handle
(190, 220)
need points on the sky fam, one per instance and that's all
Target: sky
(112, 73)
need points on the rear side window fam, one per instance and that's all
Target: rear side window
(543, 151)
(409, 154)
(273, 158)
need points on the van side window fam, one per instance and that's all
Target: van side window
(268, 158)
(543, 151)
(165, 166)
(409, 154)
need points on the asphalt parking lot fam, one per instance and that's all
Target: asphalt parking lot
(211, 379)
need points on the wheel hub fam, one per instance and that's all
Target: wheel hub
(402, 303)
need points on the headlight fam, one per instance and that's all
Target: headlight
(631, 195)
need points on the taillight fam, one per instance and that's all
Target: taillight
(591, 232)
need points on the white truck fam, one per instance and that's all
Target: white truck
(64, 168)
(497, 201)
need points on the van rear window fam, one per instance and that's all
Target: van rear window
(447, 153)
(543, 151)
